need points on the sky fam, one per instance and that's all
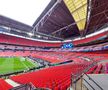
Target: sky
(26, 11)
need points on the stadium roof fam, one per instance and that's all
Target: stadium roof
(69, 18)
(5, 21)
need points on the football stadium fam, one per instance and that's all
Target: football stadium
(66, 48)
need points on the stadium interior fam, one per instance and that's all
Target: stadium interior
(66, 48)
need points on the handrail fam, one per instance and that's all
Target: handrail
(94, 81)
(27, 86)
(88, 83)
(76, 77)
(80, 74)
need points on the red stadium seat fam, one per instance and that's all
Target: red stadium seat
(53, 77)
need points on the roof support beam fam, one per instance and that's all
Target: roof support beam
(66, 27)
(89, 8)
(44, 18)
(63, 28)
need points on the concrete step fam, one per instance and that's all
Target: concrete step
(100, 79)
(12, 83)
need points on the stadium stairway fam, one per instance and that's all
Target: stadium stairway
(93, 79)
(12, 83)
(4, 85)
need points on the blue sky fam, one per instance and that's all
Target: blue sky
(26, 11)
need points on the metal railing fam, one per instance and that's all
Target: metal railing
(24, 87)
(78, 76)
(93, 82)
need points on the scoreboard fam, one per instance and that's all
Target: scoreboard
(67, 45)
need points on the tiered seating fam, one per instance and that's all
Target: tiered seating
(17, 53)
(56, 57)
(21, 41)
(98, 47)
(96, 56)
(91, 70)
(98, 69)
(57, 78)
(90, 38)
(4, 85)
(106, 71)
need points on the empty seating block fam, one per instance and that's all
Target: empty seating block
(57, 77)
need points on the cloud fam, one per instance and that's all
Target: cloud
(26, 11)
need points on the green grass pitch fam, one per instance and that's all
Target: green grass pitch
(14, 64)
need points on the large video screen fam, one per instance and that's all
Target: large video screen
(67, 45)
